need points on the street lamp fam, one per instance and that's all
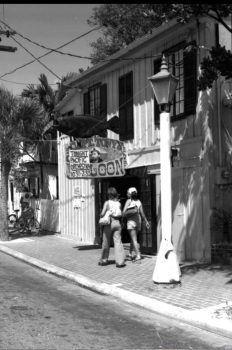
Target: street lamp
(167, 268)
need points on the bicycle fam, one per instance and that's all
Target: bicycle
(25, 223)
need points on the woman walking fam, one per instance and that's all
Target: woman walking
(133, 212)
(113, 206)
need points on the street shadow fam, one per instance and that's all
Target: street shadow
(27, 234)
(15, 236)
(194, 268)
(87, 247)
(111, 262)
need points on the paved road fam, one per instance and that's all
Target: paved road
(40, 311)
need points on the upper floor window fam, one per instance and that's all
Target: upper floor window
(126, 116)
(95, 100)
(95, 103)
(183, 65)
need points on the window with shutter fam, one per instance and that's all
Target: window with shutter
(103, 100)
(126, 115)
(94, 100)
(103, 106)
(190, 77)
(182, 64)
(95, 103)
(86, 103)
(157, 65)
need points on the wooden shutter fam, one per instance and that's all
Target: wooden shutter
(86, 103)
(190, 77)
(126, 115)
(103, 100)
(103, 106)
(57, 187)
(157, 65)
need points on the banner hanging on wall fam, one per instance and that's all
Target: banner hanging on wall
(95, 157)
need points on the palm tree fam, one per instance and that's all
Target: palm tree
(63, 88)
(20, 119)
(47, 98)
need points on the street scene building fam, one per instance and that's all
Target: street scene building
(200, 154)
(116, 176)
(200, 144)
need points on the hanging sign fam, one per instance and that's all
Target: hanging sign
(95, 157)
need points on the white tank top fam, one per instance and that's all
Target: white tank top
(114, 206)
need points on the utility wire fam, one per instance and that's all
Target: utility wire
(20, 83)
(79, 56)
(44, 65)
(47, 53)
(3, 11)
(45, 47)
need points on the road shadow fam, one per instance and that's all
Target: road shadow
(87, 247)
(195, 268)
(29, 233)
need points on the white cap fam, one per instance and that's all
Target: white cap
(132, 190)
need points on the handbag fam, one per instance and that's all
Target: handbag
(106, 219)
(130, 212)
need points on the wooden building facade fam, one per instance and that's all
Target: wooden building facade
(120, 86)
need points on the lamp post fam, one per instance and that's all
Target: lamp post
(164, 85)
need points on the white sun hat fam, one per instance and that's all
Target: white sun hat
(132, 190)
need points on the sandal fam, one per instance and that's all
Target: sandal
(120, 265)
(129, 257)
(138, 258)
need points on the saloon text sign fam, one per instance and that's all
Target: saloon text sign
(95, 157)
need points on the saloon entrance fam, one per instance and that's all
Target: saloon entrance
(149, 194)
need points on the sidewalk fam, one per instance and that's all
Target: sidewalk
(203, 299)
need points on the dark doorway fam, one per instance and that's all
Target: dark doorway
(148, 189)
(121, 185)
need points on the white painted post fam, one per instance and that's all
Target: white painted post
(167, 268)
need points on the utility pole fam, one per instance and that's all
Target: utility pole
(4, 47)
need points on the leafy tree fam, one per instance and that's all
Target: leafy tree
(124, 23)
(219, 63)
(20, 119)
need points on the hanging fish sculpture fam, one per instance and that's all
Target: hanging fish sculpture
(83, 126)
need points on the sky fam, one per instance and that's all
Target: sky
(51, 25)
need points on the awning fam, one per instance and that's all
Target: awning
(140, 171)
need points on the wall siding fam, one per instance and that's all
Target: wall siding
(76, 223)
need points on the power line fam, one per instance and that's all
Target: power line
(44, 65)
(20, 83)
(3, 11)
(47, 53)
(45, 47)
(54, 50)
(79, 56)
(73, 55)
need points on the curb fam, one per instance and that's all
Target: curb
(195, 318)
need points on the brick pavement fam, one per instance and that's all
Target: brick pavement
(201, 285)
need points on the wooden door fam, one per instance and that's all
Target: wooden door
(148, 196)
